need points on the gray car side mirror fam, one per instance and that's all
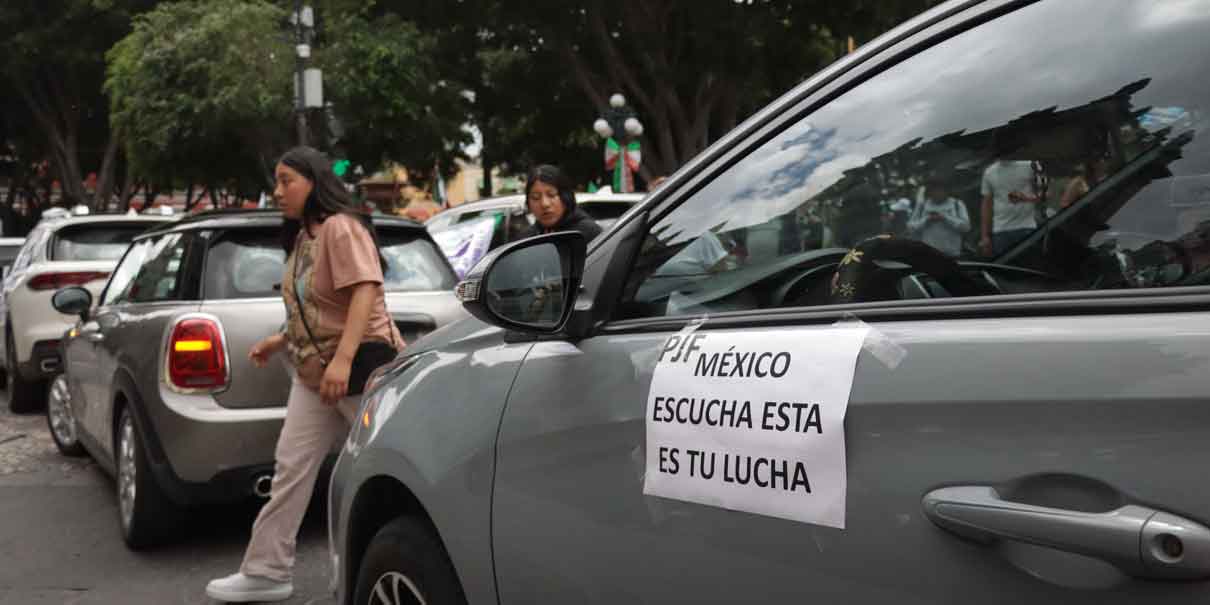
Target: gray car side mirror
(529, 285)
(73, 300)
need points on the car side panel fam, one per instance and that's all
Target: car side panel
(434, 431)
(132, 337)
(244, 323)
(1083, 413)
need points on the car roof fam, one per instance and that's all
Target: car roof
(518, 201)
(506, 201)
(97, 219)
(596, 198)
(256, 217)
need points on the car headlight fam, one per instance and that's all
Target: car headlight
(366, 419)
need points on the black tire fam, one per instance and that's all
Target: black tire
(146, 515)
(61, 418)
(406, 554)
(24, 396)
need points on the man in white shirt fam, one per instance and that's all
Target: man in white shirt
(1008, 205)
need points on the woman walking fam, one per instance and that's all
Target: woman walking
(334, 305)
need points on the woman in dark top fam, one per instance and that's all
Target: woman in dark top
(549, 197)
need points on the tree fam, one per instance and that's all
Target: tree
(694, 69)
(202, 92)
(54, 63)
(390, 102)
(542, 71)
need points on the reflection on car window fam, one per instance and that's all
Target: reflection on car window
(26, 255)
(1047, 166)
(156, 275)
(414, 264)
(244, 264)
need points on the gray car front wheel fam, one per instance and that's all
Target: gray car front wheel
(61, 418)
(406, 564)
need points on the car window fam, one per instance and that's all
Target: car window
(1088, 170)
(414, 263)
(26, 254)
(93, 241)
(150, 272)
(244, 263)
(9, 252)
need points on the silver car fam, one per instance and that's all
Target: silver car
(500, 220)
(1024, 426)
(157, 385)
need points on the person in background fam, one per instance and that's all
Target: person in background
(550, 198)
(940, 220)
(896, 214)
(1008, 208)
(1091, 172)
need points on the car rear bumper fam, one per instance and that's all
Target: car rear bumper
(45, 360)
(206, 444)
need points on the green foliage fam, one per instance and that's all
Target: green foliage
(203, 91)
(384, 82)
(54, 66)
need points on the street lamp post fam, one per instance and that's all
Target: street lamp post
(622, 158)
(308, 81)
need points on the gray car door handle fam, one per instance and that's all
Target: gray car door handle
(95, 336)
(1141, 541)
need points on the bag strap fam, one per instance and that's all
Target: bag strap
(298, 301)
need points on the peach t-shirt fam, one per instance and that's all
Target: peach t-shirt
(338, 253)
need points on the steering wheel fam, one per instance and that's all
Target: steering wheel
(860, 278)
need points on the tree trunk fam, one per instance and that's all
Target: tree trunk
(105, 180)
(189, 201)
(488, 163)
(149, 195)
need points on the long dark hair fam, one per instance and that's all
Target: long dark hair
(328, 196)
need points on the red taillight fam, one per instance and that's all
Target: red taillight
(54, 281)
(196, 359)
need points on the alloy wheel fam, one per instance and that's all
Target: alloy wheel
(394, 588)
(127, 470)
(62, 416)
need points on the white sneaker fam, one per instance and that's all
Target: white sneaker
(238, 588)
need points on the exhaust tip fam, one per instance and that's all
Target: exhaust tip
(262, 485)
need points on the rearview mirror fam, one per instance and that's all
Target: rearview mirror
(73, 300)
(529, 285)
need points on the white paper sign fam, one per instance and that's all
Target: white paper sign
(464, 244)
(753, 421)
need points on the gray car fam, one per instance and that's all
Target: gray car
(1024, 426)
(157, 385)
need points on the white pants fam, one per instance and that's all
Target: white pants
(312, 429)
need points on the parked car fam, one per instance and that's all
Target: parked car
(496, 221)
(157, 385)
(1023, 427)
(9, 248)
(61, 250)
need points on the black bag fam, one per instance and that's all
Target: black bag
(369, 357)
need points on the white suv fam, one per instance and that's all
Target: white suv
(58, 252)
